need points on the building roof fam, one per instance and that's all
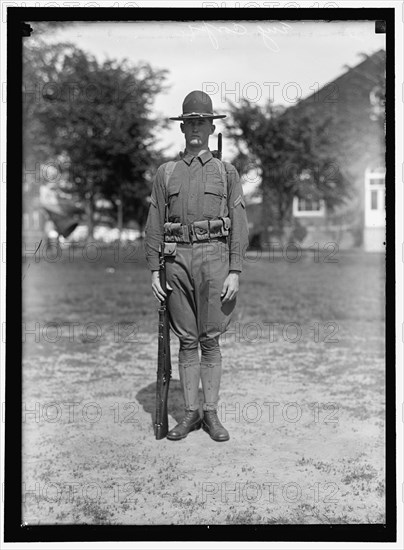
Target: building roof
(354, 116)
(365, 76)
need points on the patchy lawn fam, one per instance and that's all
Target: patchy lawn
(302, 396)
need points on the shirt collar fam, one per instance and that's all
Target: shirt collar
(203, 156)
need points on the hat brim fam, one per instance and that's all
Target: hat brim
(202, 115)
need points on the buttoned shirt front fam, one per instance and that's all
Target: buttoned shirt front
(195, 192)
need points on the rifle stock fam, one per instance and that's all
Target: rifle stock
(163, 359)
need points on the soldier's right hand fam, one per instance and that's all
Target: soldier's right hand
(158, 292)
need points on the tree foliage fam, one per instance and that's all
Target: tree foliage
(292, 155)
(97, 116)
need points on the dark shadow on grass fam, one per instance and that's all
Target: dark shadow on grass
(147, 398)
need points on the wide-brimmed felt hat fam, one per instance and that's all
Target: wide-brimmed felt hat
(197, 104)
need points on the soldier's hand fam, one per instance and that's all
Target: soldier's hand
(230, 287)
(156, 287)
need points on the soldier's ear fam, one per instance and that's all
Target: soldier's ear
(213, 128)
(182, 127)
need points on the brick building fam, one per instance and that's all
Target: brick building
(354, 98)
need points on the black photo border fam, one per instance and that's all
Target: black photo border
(14, 531)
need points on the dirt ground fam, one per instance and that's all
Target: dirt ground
(302, 396)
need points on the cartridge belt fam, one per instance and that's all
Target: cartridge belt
(204, 230)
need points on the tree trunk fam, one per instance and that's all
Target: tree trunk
(268, 213)
(284, 234)
(265, 216)
(119, 205)
(90, 217)
(276, 211)
(281, 233)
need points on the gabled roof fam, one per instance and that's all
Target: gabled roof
(367, 73)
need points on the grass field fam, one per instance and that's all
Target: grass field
(302, 396)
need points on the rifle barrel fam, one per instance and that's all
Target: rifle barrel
(219, 145)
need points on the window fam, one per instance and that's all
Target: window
(373, 199)
(376, 181)
(308, 207)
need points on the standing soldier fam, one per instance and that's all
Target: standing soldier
(198, 209)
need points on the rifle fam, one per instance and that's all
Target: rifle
(218, 152)
(163, 359)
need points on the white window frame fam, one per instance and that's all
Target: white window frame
(303, 213)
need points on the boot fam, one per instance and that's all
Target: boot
(191, 421)
(211, 424)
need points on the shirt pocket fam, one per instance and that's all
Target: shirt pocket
(174, 200)
(212, 200)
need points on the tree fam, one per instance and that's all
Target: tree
(291, 153)
(98, 117)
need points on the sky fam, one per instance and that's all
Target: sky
(278, 60)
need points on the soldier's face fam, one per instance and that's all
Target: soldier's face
(197, 132)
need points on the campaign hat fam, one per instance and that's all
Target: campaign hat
(197, 104)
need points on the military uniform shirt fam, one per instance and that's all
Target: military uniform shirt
(194, 193)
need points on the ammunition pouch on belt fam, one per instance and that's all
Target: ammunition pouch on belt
(170, 249)
(176, 233)
(204, 230)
